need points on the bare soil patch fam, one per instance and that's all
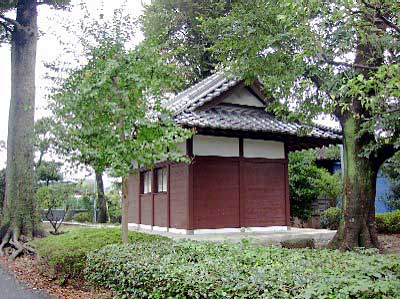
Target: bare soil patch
(391, 243)
(25, 270)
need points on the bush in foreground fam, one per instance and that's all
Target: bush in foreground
(388, 222)
(207, 270)
(65, 255)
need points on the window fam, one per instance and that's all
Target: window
(146, 179)
(162, 179)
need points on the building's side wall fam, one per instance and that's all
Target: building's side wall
(268, 149)
(263, 193)
(146, 209)
(178, 192)
(133, 184)
(215, 193)
(243, 96)
(161, 209)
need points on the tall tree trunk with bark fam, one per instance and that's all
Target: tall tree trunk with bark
(101, 199)
(357, 227)
(19, 210)
(125, 209)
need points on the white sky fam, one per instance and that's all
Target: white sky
(49, 49)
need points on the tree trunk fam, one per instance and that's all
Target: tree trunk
(101, 199)
(19, 208)
(125, 208)
(357, 226)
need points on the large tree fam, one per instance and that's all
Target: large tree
(175, 26)
(336, 57)
(22, 33)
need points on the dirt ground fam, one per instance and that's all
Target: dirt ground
(391, 243)
(24, 270)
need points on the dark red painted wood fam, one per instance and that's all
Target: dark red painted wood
(146, 208)
(216, 193)
(264, 194)
(179, 203)
(160, 208)
(133, 183)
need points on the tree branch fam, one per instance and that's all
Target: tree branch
(6, 28)
(351, 65)
(13, 22)
(385, 152)
(381, 16)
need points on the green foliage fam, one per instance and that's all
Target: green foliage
(219, 270)
(175, 27)
(55, 196)
(307, 182)
(330, 218)
(114, 200)
(48, 172)
(65, 255)
(108, 113)
(82, 217)
(388, 222)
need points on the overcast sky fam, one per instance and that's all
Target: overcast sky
(49, 49)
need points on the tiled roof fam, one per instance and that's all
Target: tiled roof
(200, 93)
(233, 117)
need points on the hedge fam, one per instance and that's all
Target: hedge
(330, 218)
(388, 222)
(188, 269)
(65, 255)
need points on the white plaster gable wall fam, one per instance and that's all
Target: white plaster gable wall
(243, 97)
(182, 147)
(263, 149)
(215, 146)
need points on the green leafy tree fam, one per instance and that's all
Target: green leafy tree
(48, 172)
(22, 33)
(56, 196)
(112, 108)
(43, 139)
(175, 27)
(307, 182)
(336, 57)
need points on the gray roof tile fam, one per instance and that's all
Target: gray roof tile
(233, 117)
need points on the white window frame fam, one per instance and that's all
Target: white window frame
(147, 182)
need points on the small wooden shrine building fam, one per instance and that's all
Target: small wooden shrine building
(238, 178)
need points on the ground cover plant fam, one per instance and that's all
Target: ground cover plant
(65, 255)
(188, 269)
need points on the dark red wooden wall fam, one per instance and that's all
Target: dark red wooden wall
(239, 192)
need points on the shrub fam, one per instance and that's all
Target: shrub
(66, 254)
(330, 218)
(298, 243)
(388, 222)
(82, 217)
(189, 269)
